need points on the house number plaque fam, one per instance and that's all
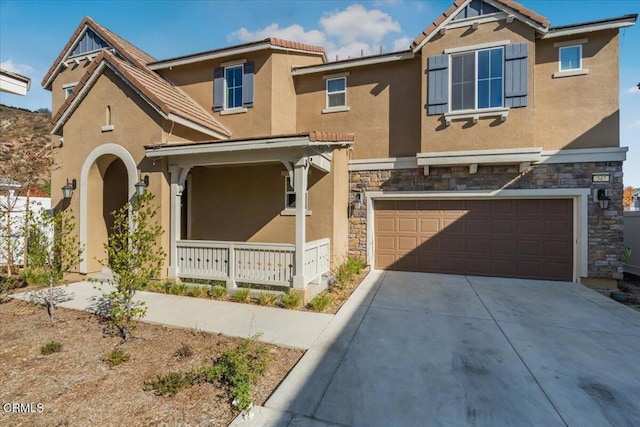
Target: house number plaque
(600, 177)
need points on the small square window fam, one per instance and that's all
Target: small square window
(571, 58)
(337, 92)
(68, 90)
(290, 196)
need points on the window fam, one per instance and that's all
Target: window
(571, 58)
(290, 196)
(477, 79)
(337, 92)
(233, 87)
(68, 89)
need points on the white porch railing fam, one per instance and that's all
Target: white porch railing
(316, 259)
(258, 263)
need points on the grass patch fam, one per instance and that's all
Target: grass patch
(321, 302)
(217, 292)
(50, 348)
(291, 300)
(168, 384)
(241, 295)
(117, 357)
(267, 298)
(348, 270)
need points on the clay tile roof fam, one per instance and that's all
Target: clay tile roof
(124, 48)
(168, 98)
(295, 45)
(447, 13)
(319, 136)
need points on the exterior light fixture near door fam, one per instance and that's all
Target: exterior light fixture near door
(142, 185)
(67, 189)
(603, 198)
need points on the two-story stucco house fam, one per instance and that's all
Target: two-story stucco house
(489, 147)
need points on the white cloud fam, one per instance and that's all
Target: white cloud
(351, 32)
(634, 125)
(387, 2)
(402, 43)
(356, 23)
(633, 90)
(8, 65)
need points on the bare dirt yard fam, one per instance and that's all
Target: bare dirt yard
(76, 387)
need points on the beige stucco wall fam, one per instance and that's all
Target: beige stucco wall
(274, 107)
(135, 125)
(578, 111)
(489, 133)
(340, 238)
(72, 74)
(384, 104)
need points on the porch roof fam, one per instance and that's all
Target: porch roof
(291, 141)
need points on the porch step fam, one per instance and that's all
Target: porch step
(314, 288)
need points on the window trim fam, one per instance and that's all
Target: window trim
(68, 89)
(475, 108)
(231, 110)
(560, 69)
(335, 108)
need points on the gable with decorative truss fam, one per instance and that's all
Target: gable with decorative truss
(89, 42)
(474, 9)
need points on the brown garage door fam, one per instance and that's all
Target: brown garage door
(507, 238)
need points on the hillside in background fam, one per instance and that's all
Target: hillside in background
(19, 129)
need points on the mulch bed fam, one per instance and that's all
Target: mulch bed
(76, 387)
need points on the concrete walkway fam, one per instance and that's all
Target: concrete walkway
(290, 328)
(433, 350)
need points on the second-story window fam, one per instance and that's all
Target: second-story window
(233, 89)
(477, 79)
(571, 58)
(68, 89)
(337, 92)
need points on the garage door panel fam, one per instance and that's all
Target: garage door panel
(511, 238)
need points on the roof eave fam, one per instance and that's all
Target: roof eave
(358, 62)
(622, 22)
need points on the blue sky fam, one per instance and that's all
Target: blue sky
(32, 33)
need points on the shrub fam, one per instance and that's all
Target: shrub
(348, 270)
(321, 302)
(169, 384)
(241, 295)
(291, 300)
(217, 292)
(183, 351)
(267, 298)
(50, 348)
(195, 291)
(117, 357)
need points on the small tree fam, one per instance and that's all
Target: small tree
(135, 258)
(53, 251)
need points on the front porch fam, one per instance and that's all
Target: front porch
(247, 212)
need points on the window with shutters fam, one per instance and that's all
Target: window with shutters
(233, 87)
(477, 80)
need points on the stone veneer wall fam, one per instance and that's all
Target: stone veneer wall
(605, 226)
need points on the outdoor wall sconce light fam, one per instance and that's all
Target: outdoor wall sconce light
(67, 189)
(142, 185)
(357, 200)
(602, 198)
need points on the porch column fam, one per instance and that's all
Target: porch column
(300, 178)
(178, 177)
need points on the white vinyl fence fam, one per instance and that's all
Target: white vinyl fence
(12, 221)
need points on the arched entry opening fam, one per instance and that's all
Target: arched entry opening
(106, 185)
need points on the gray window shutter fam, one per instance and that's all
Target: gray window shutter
(218, 89)
(438, 84)
(247, 84)
(515, 75)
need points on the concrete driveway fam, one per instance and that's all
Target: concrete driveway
(413, 349)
